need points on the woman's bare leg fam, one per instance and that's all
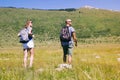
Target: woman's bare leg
(31, 56)
(25, 57)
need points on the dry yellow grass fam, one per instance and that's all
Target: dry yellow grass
(90, 62)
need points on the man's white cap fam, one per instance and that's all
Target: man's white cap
(68, 20)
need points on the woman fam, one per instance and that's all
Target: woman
(28, 46)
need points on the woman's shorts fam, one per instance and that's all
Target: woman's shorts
(28, 45)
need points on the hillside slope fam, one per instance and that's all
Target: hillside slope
(47, 24)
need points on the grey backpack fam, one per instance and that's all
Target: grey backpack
(24, 36)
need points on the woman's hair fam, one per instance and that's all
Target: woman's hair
(27, 23)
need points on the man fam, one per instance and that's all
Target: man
(68, 44)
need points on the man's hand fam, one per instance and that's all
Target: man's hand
(74, 38)
(76, 44)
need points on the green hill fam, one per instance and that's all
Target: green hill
(88, 23)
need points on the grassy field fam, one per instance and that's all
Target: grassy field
(95, 58)
(90, 62)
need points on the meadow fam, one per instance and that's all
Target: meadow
(95, 58)
(90, 62)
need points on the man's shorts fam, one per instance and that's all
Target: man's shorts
(67, 50)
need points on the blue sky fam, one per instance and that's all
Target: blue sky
(58, 4)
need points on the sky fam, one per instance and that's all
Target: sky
(61, 4)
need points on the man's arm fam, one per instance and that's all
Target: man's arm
(74, 38)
